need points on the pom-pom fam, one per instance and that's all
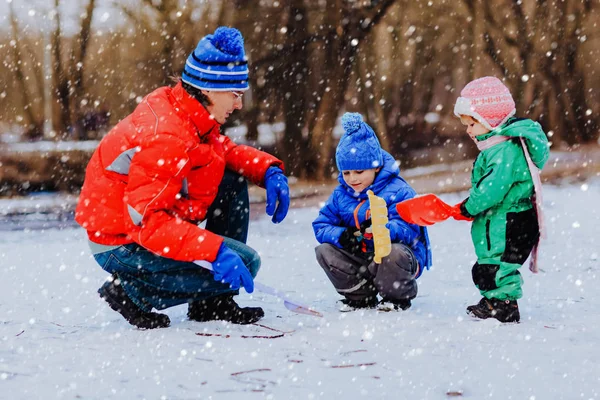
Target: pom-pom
(351, 122)
(228, 40)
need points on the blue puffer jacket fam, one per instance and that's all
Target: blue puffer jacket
(338, 212)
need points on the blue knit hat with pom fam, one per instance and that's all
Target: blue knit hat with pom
(358, 148)
(218, 63)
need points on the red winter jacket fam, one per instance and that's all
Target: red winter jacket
(157, 172)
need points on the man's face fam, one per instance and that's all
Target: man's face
(359, 180)
(474, 128)
(223, 104)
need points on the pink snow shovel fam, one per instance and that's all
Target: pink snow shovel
(288, 303)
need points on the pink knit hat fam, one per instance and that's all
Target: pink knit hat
(487, 100)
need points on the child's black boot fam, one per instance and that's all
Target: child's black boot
(394, 304)
(351, 305)
(502, 310)
(223, 308)
(113, 293)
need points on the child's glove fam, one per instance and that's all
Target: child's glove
(229, 268)
(350, 240)
(277, 190)
(366, 232)
(365, 227)
(458, 212)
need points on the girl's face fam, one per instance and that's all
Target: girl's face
(359, 180)
(474, 128)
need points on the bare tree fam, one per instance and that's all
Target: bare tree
(537, 47)
(394, 61)
(345, 27)
(414, 53)
(294, 89)
(60, 80)
(331, 38)
(35, 128)
(254, 20)
(78, 57)
(173, 23)
(370, 88)
(564, 72)
(68, 74)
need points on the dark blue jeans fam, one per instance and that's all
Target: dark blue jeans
(159, 282)
(229, 214)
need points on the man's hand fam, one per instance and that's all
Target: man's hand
(229, 268)
(277, 192)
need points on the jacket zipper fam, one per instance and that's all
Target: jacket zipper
(483, 177)
(487, 234)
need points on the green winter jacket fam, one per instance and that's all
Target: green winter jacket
(502, 184)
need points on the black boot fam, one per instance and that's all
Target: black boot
(394, 304)
(117, 299)
(502, 310)
(351, 305)
(223, 308)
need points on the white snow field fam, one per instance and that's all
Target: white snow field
(58, 340)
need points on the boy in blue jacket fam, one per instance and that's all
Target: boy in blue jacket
(343, 226)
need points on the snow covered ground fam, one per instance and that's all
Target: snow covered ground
(58, 340)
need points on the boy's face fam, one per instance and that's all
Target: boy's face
(474, 128)
(223, 104)
(359, 180)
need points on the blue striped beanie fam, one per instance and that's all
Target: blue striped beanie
(218, 63)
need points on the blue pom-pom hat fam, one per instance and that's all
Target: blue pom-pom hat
(218, 63)
(359, 148)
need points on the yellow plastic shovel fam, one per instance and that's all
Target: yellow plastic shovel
(381, 234)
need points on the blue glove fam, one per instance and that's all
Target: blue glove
(229, 268)
(277, 190)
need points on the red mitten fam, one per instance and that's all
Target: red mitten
(458, 215)
(425, 210)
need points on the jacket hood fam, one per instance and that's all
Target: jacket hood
(531, 131)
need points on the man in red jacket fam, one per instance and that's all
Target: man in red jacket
(161, 171)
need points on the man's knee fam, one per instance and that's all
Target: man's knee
(254, 264)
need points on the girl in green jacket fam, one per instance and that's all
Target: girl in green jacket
(504, 201)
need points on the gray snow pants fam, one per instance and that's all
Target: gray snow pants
(357, 278)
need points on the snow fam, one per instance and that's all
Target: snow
(42, 202)
(268, 134)
(47, 146)
(60, 341)
(41, 210)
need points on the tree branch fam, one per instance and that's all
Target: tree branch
(492, 23)
(373, 16)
